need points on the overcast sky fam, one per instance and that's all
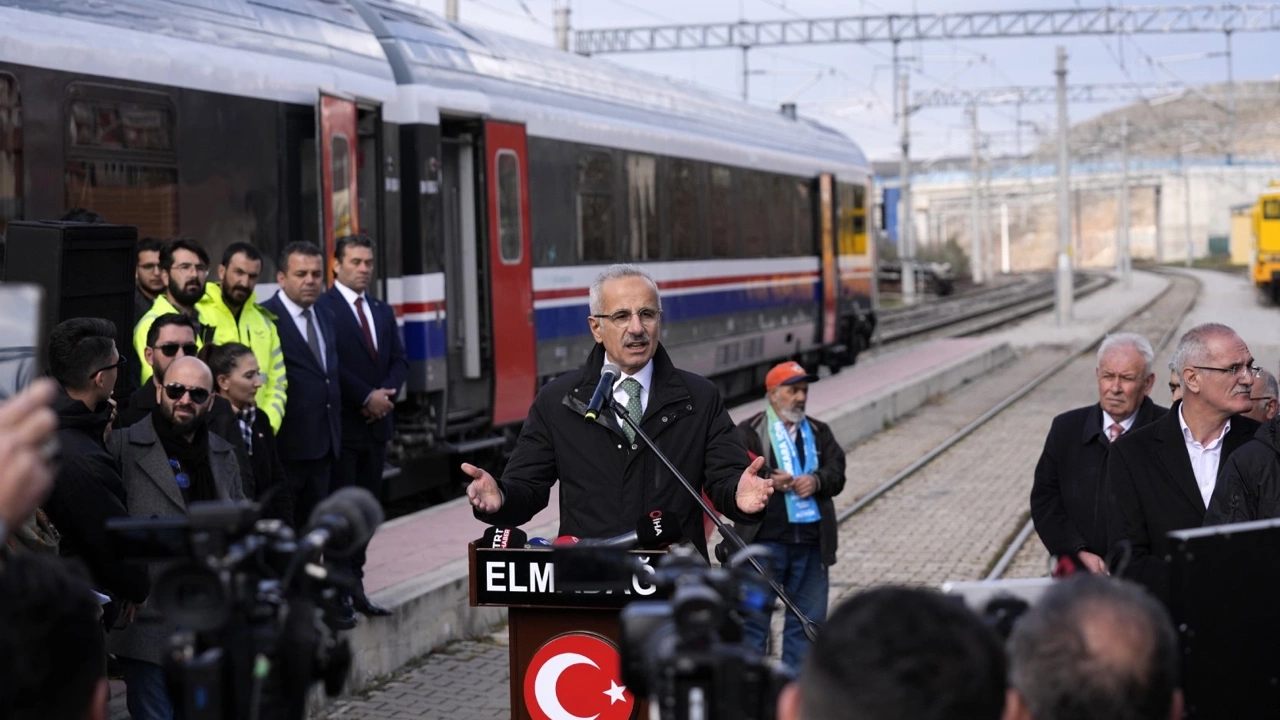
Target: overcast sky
(850, 86)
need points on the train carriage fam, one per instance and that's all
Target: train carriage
(498, 177)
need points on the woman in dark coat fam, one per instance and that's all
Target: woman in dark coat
(237, 377)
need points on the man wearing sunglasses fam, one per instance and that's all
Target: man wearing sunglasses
(170, 337)
(168, 460)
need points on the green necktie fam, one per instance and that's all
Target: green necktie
(631, 387)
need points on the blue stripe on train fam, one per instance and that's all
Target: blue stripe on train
(570, 320)
(424, 339)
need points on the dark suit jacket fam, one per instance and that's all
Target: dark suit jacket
(311, 429)
(361, 375)
(1151, 491)
(268, 473)
(1065, 503)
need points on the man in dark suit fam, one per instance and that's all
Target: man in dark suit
(1160, 478)
(1064, 497)
(310, 436)
(373, 368)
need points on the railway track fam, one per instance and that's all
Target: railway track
(1018, 547)
(978, 310)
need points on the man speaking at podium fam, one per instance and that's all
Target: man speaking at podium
(608, 478)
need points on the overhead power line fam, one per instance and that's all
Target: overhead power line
(933, 26)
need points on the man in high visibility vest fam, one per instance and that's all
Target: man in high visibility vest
(232, 311)
(184, 266)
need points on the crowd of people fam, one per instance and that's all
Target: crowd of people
(240, 399)
(235, 399)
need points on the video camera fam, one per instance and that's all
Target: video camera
(686, 654)
(249, 598)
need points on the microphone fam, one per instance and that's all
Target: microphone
(497, 538)
(650, 534)
(344, 522)
(604, 389)
(565, 541)
(538, 542)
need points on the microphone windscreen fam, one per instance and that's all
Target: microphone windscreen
(359, 511)
(610, 368)
(655, 530)
(565, 541)
(496, 537)
(539, 542)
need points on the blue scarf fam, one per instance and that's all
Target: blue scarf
(799, 510)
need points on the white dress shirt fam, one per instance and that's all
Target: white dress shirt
(351, 296)
(644, 377)
(1204, 458)
(295, 312)
(1126, 424)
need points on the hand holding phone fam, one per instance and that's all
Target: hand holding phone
(28, 440)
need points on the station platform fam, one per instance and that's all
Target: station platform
(417, 563)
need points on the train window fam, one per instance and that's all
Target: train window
(720, 213)
(754, 215)
(340, 183)
(510, 236)
(682, 209)
(644, 241)
(596, 241)
(120, 125)
(10, 152)
(781, 217)
(852, 210)
(804, 241)
(1271, 210)
(126, 194)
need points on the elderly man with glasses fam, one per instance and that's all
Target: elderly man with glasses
(609, 479)
(1161, 477)
(1250, 484)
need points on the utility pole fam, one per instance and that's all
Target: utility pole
(451, 10)
(906, 223)
(1186, 203)
(562, 25)
(1231, 105)
(1004, 238)
(988, 253)
(1064, 284)
(976, 264)
(746, 74)
(1124, 256)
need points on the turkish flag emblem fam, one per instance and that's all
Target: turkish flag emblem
(577, 676)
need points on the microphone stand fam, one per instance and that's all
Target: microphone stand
(809, 626)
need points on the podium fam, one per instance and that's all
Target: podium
(564, 646)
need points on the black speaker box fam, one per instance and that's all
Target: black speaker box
(1225, 594)
(87, 270)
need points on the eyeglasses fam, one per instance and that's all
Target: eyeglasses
(622, 318)
(188, 267)
(1236, 369)
(1174, 387)
(171, 349)
(114, 366)
(175, 391)
(1264, 398)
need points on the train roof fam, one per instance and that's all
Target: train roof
(469, 70)
(273, 49)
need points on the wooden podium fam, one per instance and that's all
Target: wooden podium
(569, 640)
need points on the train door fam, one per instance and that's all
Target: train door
(338, 136)
(511, 273)
(829, 272)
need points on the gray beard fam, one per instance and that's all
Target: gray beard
(795, 417)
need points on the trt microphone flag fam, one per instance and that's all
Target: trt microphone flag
(498, 537)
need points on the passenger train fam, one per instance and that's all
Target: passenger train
(497, 177)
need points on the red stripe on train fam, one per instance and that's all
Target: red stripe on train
(417, 307)
(709, 283)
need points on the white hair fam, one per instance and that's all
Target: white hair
(1270, 385)
(1132, 340)
(616, 272)
(1193, 346)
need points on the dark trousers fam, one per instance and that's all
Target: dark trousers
(309, 481)
(361, 466)
(146, 693)
(800, 572)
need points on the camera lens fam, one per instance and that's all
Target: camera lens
(194, 597)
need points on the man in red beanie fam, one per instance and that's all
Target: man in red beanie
(806, 465)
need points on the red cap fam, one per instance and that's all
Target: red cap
(787, 373)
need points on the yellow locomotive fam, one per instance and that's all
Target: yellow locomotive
(1266, 242)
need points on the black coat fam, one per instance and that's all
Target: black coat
(87, 492)
(1151, 491)
(268, 473)
(606, 487)
(1065, 502)
(312, 427)
(830, 475)
(360, 374)
(1249, 485)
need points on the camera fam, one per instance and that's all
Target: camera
(249, 598)
(686, 653)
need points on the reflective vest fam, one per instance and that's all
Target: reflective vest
(257, 329)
